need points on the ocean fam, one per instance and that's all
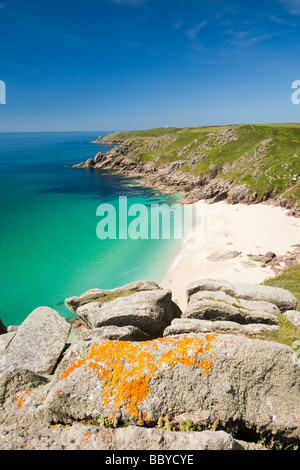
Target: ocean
(49, 246)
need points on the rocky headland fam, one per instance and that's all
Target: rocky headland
(173, 161)
(135, 372)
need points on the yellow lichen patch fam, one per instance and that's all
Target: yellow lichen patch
(125, 368)
(21, 398)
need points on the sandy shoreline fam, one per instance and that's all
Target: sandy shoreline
(221, 228)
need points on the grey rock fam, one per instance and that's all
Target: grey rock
(14, 384)
(38, 342)
(115, 333)
(73, 303)
(78, 436)
(217, 306)
(5, 339)
(182, 326)
(188, 381)
(293, 316)
(284, 299)
(12, 328)
(150, 311)
(136, 438)
(223, 256)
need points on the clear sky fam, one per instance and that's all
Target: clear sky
(76, 65)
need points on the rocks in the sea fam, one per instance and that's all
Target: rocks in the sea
(150, 311)
(38, 342)
(284, 299)
(98, 140)
(217, 305)
(88, 164)
(293, 316)
(73, 303)
(115, 333)
(3, 328)
(181, 326)
(98, 158)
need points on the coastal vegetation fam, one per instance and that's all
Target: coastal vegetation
(264, 158)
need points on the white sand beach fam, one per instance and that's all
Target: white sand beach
(222, 228)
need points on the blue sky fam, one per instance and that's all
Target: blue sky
(76, 65)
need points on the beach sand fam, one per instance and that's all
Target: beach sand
(221, 228)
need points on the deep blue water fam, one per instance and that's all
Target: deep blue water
(49, 248)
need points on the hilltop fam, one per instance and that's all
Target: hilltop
(242, 163)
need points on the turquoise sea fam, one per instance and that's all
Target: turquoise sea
(49, 248)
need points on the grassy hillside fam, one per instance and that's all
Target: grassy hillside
(266, 158)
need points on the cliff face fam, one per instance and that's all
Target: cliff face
(239, 164)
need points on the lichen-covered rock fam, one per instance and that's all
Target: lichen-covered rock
(73, 303)
(150, 311)
(38, 342)
(181, 326)
(284, 299)
(18, 389)
(208, 305)
(240, 382)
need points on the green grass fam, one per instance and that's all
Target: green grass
(265, 158)
(112, 296)
(290, 280)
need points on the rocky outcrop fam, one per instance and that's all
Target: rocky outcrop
(149, 311)
(88, 164)
(282, 298)
(198, 374)
(115, 333)
(241, 383)
(133, 438)
(277, 262)
(38, 342)
(73, 303)
(172, 177)
(217, 305)
(293, 316)
(182, 326)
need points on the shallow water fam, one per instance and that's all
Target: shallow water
(49, 248)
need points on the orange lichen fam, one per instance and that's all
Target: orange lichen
(125, 368)
(21, 397)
